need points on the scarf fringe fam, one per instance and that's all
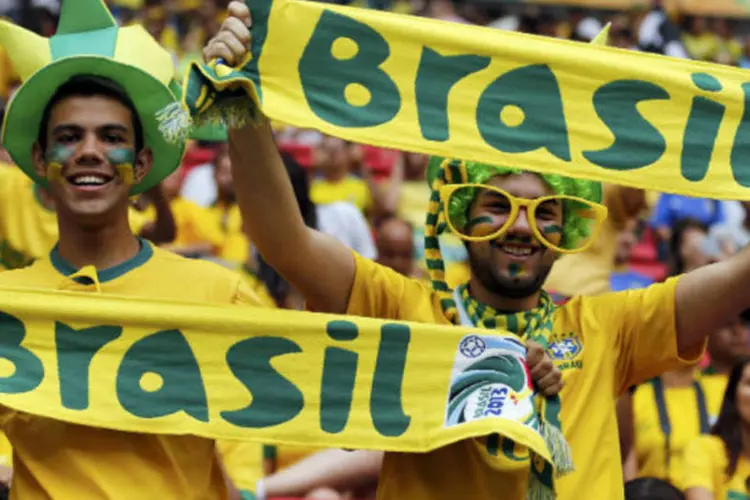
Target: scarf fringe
(562, 456)
(174, 123)
(538, 490)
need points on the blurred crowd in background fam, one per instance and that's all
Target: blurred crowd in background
(374, 200)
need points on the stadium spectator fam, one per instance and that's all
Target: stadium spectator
(717, 466)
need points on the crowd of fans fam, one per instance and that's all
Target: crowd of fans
(374, 200)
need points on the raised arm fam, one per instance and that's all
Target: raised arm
(316, 264)
(709, 297)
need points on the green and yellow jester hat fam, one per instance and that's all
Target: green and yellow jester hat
(88, 41)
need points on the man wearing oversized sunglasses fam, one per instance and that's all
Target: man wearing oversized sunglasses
(515, 224)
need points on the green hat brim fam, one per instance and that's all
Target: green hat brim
(23, 116)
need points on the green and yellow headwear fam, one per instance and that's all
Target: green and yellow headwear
(442, 172)
(88, 41)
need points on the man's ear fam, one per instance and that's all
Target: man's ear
(144, 160)
(40, 164)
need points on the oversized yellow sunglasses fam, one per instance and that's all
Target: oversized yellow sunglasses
(542, 214)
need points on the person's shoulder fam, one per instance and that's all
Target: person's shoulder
(38, 274)
(196, 268)
(707, 444)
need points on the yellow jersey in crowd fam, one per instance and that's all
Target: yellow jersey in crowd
(671, 416)
(351, 189)
(602, 345)
(705, 467)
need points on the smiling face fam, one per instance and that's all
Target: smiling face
(516, 264)
(88, 136)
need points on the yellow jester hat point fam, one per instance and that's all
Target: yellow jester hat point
(88, 41)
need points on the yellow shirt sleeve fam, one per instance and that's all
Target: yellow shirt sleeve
(245, 296)
(704, 463)
(138, 220)
(243, 462)
(646, 339)
(379, 291)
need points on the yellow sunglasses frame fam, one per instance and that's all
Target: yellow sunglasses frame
(600, 214)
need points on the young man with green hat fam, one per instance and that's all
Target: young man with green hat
(515, 225)
(82, 126)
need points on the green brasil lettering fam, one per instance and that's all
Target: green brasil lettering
(168, 356)
(532, 89)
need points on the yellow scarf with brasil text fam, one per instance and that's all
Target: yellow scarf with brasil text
(229, 372)
(484, 95)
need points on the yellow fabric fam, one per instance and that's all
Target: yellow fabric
(195, 224)
(233, 374)
(53, 458)
(732, 49)
(258, 287)
(615, 341)
(243, 462)
(588, 273)
(703, 46)
(235, 247)
(716, 383)
(705, 467)
(28, 230)
(510, 99)
(351, 189)
(683, 416)
(8, 74)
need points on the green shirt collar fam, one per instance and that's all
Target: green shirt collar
(144, 254)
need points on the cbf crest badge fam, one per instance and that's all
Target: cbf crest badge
(490, 379)
(566, 349)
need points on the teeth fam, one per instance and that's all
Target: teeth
(517, 251)
(88, 180)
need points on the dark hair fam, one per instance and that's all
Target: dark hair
(89, 86)
(728, 425)
(682, 226)
(651, 488)
(277, 286)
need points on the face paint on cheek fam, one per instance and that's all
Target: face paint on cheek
(553, 233)
(56, 157)
(480, 226)
(123, 160)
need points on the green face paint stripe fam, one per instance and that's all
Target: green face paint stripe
(484, 219)
(58, 153)
(121, 156)
(552, 229)
(514, 269)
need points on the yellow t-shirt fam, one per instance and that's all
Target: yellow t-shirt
(60, 460)
(684, 422)
(243, 462)
(702, 47)
(588, 273)
(235, 247)
(28, 230)
(195, 224)
(602, 345)
(705, 467)
(351, 189)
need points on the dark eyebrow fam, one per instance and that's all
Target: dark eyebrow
(115, 127)
(66, 127)
(488, 193)
(71, 127)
